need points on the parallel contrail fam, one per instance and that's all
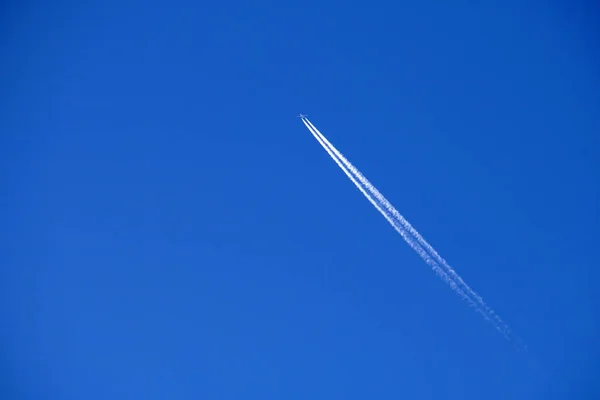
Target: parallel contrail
(416, 241)
(411, 242)
(500, 325)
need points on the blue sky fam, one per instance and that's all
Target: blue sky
(171, 230)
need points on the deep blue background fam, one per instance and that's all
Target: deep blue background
(171, 230)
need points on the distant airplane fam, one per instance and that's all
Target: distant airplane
(302, 116)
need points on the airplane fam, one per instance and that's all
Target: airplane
(302, 116)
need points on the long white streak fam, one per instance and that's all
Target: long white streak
(411, 242)
(470, 293)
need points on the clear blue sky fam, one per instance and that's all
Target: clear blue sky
(171, 230)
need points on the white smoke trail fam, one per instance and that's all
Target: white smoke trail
(411, 242)
(465, 289)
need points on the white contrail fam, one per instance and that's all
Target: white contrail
(405, 224)
(469, 293)
(411, 242)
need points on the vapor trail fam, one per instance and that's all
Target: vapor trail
(411, 242)
(467, 292)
